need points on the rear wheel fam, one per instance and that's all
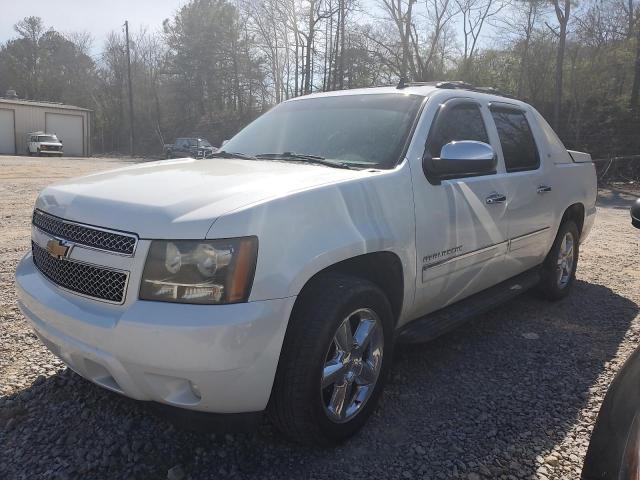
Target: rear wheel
(559, 268)
(334, 361)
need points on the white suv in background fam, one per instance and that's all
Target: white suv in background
(278, 275)
(40, 143)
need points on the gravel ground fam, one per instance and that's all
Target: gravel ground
(512, 394)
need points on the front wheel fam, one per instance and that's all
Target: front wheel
(559, 268)
(334, 361)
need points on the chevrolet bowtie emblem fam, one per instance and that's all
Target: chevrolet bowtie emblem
(58, 248)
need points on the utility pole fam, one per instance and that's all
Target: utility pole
(131, 132)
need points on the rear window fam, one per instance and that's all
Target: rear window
(518, 145)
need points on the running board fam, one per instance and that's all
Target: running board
(433, 325)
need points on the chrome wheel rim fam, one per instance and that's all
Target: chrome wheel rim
(352, 365)
(566, 259)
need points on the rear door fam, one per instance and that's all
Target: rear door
(461, 238)
(530, 188)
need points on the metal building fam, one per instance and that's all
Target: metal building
(19, 117)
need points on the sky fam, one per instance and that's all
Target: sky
(98, 17)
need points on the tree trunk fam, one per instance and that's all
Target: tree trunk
(336, 60)
(635, 89)
(563, 19)
(405, 40)
(342, 22)
(312, 25)
(525, 49)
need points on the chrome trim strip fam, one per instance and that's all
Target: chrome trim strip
(528, 235)
(484, 249)
(464, 255)
(91, 227)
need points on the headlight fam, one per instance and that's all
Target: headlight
(199, 271)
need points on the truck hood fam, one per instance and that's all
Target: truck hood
(180, 198)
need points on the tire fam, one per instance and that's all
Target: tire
(556, 279)
(300, 407)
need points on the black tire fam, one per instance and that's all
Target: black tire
(550, 287)
(297, 405)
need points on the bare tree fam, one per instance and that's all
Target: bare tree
(475, 14)
(400, 12)
(563, 12)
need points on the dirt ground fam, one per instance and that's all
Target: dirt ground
(512, 394)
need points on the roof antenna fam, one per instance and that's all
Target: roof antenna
(402, 83)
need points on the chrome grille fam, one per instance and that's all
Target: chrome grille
(91, 237)
(88, 280)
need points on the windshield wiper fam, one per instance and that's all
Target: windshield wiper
(224, 154)
(302, 157)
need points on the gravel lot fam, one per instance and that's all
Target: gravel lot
(513, 394)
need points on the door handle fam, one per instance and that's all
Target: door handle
(495, 197)
(544, 189)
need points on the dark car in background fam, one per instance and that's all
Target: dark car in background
(189, 147)
(614, 449)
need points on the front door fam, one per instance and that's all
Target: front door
(461, 224)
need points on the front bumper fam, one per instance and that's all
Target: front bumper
(213, 358)
(51, 152)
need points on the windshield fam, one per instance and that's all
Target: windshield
(47, 138)
(204, 143)
(368, 130)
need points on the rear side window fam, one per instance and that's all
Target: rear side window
(457, 122)
(518, 146)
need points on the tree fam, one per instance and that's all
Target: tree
(563, 12)
(635, 88)
(44, 65)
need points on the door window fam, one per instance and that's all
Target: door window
(462, 121)
(518, 145)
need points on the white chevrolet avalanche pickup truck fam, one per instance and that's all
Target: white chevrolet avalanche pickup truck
(277, 276)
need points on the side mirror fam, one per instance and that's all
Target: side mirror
(635, 213)
(459, 159)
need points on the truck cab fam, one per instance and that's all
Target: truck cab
(277, 276)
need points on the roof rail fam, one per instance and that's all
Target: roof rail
(453, 84)
(403, 83)
(459, 85)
